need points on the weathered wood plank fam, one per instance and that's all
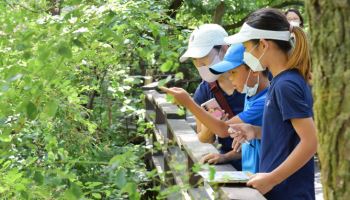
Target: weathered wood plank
(177, 163)
(161, 133)
(158, 163)
(150, 86)
(198, 193)
(177, 127)
(150, 95)
(240, 192)
(150, 116)
(171, 111)
(170, 125)
(195, 149)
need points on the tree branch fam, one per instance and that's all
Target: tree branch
(280, 5)
(174, 6)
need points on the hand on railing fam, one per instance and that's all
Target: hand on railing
(214, 158)
(263, 182)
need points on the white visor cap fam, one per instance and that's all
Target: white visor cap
(249, 33)
(203, 39)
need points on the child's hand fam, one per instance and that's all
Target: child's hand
(180, 95)
(263, 182)
(240, 133)
(213, 158)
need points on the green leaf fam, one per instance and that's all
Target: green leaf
(163, 82)
(131, 189)
(179, 76)
(38, 178)
(212, 172)
(120, 178)
(73, 193)
(43, 53)
(93, 184)
(65, 50)
(181, 111)
(96, 195)
(32, 111)
(51, 108)
(165, 67)
(169, 98)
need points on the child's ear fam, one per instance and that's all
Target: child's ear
(263, 43)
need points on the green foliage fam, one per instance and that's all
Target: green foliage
(71, 112)
(66, 94)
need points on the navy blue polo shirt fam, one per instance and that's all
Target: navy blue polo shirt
(236, 102)
(288, 97)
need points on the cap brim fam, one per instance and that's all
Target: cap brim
(195, 52)
(223, 66)
(236, 38)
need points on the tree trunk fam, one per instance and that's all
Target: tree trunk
(219, 13)
(55, 7)
(330, 47)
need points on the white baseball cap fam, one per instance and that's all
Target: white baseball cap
(203, 39)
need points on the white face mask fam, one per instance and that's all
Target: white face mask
(250, 91)
(206, 74)
(295, 23)
(253, 62)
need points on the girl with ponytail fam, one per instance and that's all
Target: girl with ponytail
(288, 133)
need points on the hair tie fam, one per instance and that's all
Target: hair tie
(291, 28)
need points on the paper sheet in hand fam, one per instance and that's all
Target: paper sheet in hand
(227, 176)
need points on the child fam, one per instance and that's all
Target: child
(206, 47)
(288, 133)
(244, 80)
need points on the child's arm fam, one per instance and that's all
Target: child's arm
(205, 135)
(216, 158)
(303, 152)
(182, 97)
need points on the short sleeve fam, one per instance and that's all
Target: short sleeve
(253, 115)
(201, 94)
(293, 100)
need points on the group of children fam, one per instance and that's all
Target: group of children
(261, 82)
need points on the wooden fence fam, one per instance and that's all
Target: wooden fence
(175, 149)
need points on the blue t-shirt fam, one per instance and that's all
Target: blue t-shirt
(289, 97)
(252, 114)
(236, 102)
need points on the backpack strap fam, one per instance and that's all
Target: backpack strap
(219, 96)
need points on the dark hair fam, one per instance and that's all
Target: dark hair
(274, 20)
(297, 13)
(217, 47)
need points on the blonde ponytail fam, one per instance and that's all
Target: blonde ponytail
(300, 58)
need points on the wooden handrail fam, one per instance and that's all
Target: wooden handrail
(180, 146)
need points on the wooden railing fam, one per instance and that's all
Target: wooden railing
(175, 149)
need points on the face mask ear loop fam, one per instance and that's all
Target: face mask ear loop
(263, 53)
(253, 48)
(246, 81)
